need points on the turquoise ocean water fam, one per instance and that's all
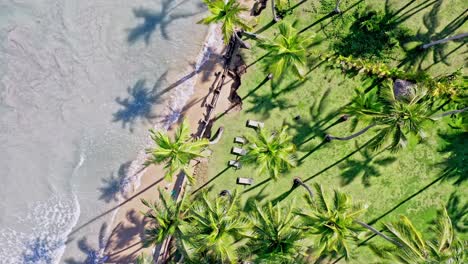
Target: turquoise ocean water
(80, 84)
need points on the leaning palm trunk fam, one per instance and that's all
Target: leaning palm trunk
(377, 232)
(454, 112)
(249, 34)
(337, 7)
(298, 181)
(329, 138)
(242, 43)
(273, 11)
(440, 41)
(218, 135)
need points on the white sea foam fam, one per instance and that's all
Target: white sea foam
(43, 239)
(213, 44)
(63, 65)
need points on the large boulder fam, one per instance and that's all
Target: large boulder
(404, 90)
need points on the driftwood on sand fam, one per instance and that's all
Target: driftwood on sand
(233, 67)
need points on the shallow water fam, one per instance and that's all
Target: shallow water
(80, 84)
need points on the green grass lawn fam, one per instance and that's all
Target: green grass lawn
(318, 99)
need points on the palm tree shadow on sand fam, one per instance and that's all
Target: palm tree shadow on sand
(93, 255)
(156, 19)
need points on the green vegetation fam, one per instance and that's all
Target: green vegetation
(227, 13)
(345, 83)
(176, 155)
(286, 53)
(272, 153)
(442, 247)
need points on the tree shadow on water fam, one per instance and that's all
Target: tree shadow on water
(41, 250)
(367, 166)
(138, 105)
(114, 187)
(154, 19)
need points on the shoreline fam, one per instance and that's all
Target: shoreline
(123, 243)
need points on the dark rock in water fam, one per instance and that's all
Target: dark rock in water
(403, 89)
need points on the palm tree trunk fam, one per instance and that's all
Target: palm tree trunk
(440, 41)
(217, 136)
(329, 138)
(250, 34)
(298, 181)
(453, 112)
(377, 232)
(337, 7)
(273, 11)
(242, 43)
(225, 193)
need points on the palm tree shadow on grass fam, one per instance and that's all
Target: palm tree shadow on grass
(250, 203)
(284, 195)
(308, 128)
(376, 35)
(457, 209)
(263, 104)
(367, 166)
(156, 19)
(456, 149)
(416, 56)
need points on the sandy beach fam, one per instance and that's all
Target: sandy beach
(125, 240)
(124, 243)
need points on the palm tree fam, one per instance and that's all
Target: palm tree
(442, 247)
(143, 259)
(396, 117)
(286, 53)
(298, 182)
(336, 223)
(440, 41)
(273, 153)
(176, 154)
(226, 12)
(276, 237)
(273, 11)
(166, 216)
(337, 9)
(214, 229)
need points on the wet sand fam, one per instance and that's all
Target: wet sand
(124, 243)
(125, 240)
